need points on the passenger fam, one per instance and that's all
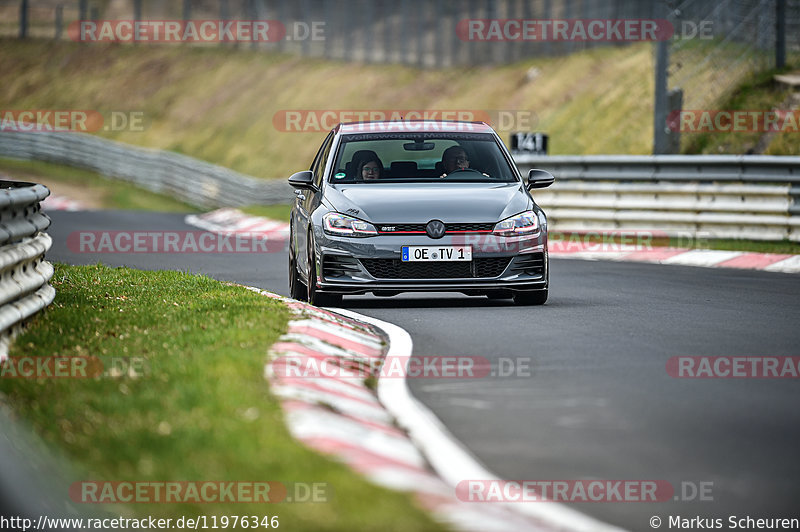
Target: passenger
(370, 168)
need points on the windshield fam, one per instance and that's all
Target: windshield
(393, 157)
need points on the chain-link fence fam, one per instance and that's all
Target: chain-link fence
(711, 47)
(717, 45)
(425, 33)
(728, 40)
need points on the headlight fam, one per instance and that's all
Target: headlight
(524, 223)
(343, 225)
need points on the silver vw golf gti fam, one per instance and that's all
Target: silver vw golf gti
(417, 206)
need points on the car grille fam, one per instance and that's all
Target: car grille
(528, 264)
(449, 228)
(469, 227)
(397, 269)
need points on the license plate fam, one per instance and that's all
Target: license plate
(436, 253)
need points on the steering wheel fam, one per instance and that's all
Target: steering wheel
(462, 170)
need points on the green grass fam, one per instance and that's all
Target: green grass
(760, 93)
(92, 188)
(223, 105)
(275, 212)
(755, 246)
(218, 104)
(201, 411)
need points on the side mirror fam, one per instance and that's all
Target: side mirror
(540, 179)
(304, 179)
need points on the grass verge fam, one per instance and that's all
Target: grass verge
(755, 246)
(275, 212)
(760, 93)
(281, 212)
(229, 107)
(92, 189)
(201, 411)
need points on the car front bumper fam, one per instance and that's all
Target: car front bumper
(373, 264)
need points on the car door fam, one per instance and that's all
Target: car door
(306, 201)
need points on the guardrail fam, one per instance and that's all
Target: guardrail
(24, 274)
(191, 180)
(753, 197)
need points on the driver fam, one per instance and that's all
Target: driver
(454, 158)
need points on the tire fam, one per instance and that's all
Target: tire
(315, 297)
(534, 297)
(297, 290)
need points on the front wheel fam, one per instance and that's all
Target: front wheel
(315, 297)
(297, 289)
(534, 297)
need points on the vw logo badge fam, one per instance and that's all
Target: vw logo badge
(435, 229)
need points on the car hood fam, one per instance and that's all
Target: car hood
(422, 202)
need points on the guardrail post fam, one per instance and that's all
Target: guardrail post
(780, 33)
(794, 193)
(673, 134)
(421, 16)
(23, 19)
(438, 36)
(59, 22)
(660, 97)
(252, 14)
(307, 15)
(328, 16)
(283, 16)
(660, 100)
(187, 10)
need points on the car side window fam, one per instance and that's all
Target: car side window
(318, 166)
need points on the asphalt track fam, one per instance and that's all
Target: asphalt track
(598, 402)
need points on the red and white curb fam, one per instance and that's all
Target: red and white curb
(709, 258)
(61, 203)
(341, 416)
(233, 221)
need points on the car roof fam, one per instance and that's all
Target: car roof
(413, 126)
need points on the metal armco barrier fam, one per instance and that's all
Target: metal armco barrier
(753, 197)
(182, 177)
(24, 274)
